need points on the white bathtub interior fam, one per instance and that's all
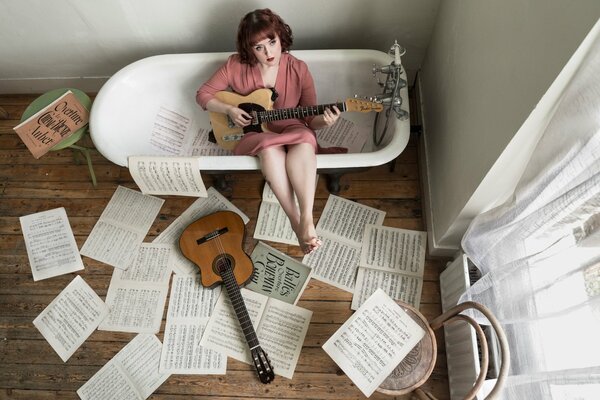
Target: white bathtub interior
(126, 108)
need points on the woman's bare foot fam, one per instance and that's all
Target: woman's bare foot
(307, 236)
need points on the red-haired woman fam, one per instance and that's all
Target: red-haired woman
(287, 151)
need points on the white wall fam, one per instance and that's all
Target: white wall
(80, 43)
(488, 65)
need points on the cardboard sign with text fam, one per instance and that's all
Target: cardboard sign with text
(52, 124)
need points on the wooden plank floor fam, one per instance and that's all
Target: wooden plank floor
(30, 369)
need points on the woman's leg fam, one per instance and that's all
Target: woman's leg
(272, 164)
(301, 167)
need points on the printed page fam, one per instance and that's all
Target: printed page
(272, 222)
(51, 246)
(167, 175)
(199, 208)
(281, 333)
(136, 296)
(341, 229)
(71, 317)
(392, 259)
(121, 229)
(277, 275)
(398, 286)
(169, 131)
(344, 133)
(373, 341)
(200, 146)
(223, 332)
(131, 374)
(190, 307)
(281, 330)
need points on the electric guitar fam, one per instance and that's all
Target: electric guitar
(259, 105)
(214, 244)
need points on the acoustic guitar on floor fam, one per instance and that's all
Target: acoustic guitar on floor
(259, 105)
(214, 244)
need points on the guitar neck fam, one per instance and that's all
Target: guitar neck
(233, 290)
(298, 112)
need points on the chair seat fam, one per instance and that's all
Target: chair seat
(418, 365)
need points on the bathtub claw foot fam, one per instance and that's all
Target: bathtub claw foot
(333, 183)
(220, 183)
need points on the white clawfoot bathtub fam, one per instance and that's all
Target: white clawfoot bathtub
(129, 107)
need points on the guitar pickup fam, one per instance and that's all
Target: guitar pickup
(232, 138)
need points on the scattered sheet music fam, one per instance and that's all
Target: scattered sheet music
(200, 146)
(199, 208)
(51, 246)
(71, 317)
(341, 229)
(373, 341)
(122, 227)
(131, 374)
(162, 175)
(190, 306)
(392, 259)
(344, 133)
(136, 296)
(169, 132)
(280, 328)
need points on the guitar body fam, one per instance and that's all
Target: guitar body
(209, 255)
(226, 133)
(214, 243)
(259, 106)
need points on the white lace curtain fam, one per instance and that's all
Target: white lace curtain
(540, 253)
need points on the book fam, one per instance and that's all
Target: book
(52, 124)
(277, 275)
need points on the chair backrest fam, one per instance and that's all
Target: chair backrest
(401, 386)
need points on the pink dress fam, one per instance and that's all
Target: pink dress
(294, 86)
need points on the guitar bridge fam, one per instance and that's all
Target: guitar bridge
(212, 235)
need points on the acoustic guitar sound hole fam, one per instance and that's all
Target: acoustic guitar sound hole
(222, 263)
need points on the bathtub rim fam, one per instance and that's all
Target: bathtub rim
(380, 156)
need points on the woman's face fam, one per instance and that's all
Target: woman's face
(268, 51)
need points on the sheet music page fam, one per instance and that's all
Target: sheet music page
(199, 208)
(341, 228)
(169, 131)
(392, 259)
(280, 328)
(200, 146)
(398, 286)
(136, 296)
(190, 306)
(281, 333)
(223, 332)
(51, 246)
(167, 175)
(373, 341)
(71, 317)
(121, 229)
(344, 133)
(272, 222)
(131, 374)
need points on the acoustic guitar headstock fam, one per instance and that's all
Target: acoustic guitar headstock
(262, 364)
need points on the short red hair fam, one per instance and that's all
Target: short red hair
(258, 25)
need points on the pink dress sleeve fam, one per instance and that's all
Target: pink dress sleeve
(219, 81)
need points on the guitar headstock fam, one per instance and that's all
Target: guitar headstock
(262, 364)
(360, 105)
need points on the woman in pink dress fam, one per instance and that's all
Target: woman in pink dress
(287, 152)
